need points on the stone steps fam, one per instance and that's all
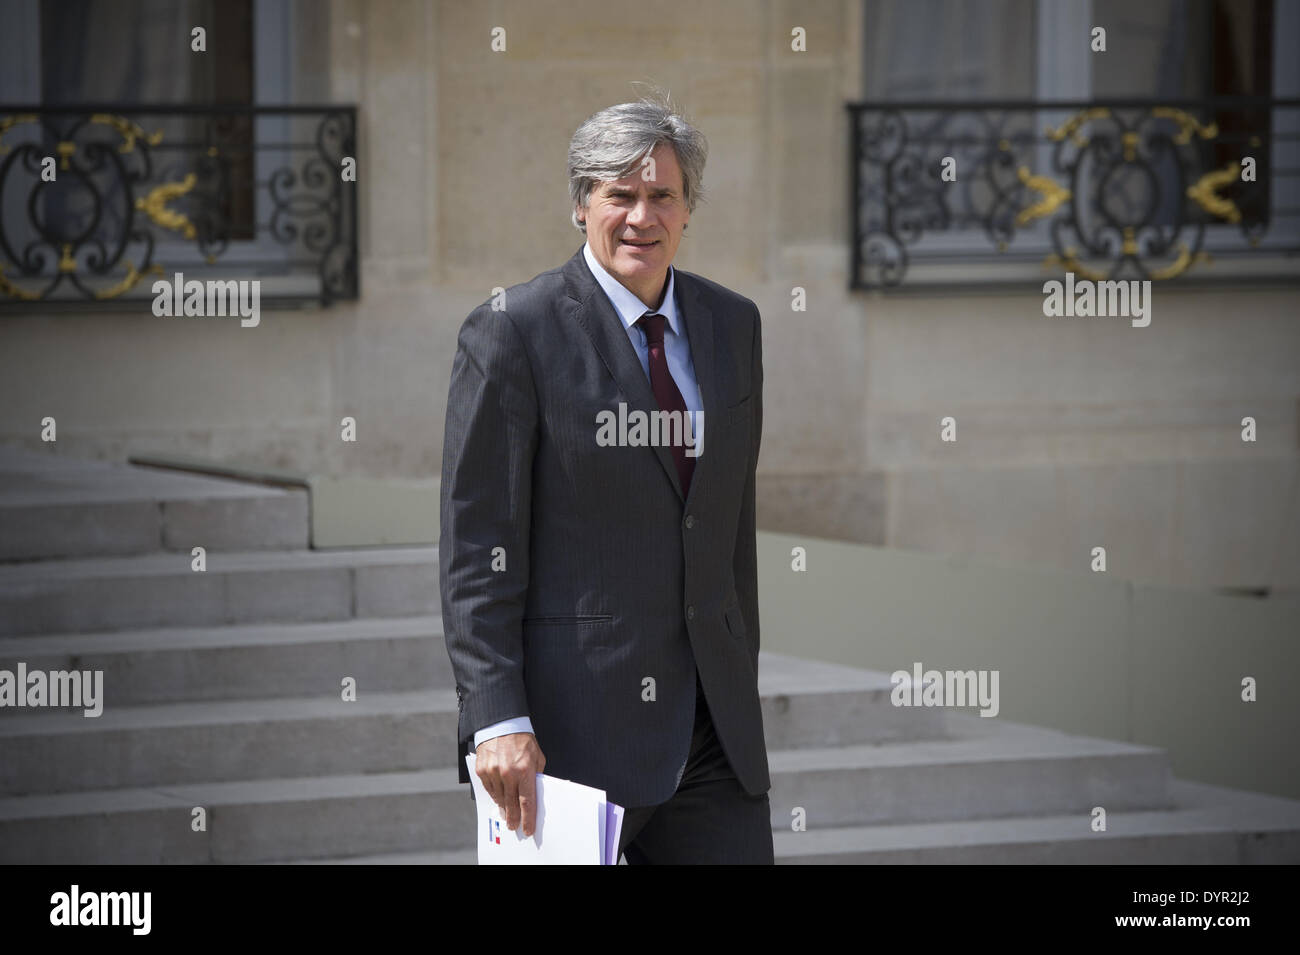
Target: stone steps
(247, 821)
(1207, 826)
(48, 750)
(247, 661)
(222, 690)
(184, 743)
(53, 506)
(805, 702)
(373, 811)
(160, 590)
(989, 769)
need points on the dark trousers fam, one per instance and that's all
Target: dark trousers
(710, 819)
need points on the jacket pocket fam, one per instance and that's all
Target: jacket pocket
(739, 411)
(735, 620)
(571, 620)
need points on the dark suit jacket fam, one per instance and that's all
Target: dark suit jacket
(609, 577)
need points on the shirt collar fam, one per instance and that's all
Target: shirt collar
(629, 307)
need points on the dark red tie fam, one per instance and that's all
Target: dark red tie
(666, 393)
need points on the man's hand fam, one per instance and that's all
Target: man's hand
(508, 765)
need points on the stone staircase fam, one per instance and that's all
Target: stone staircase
(222, 690)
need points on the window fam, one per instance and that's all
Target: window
(221, 162)
(137, 51)
(1117, 193)
(949, 49)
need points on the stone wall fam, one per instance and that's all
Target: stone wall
(1072, 433)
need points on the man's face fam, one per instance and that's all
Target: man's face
(635, 223)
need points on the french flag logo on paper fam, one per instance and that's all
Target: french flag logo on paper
(494, 831)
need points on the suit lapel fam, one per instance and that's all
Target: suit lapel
(594, 312)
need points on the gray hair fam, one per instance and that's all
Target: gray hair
(610, 145)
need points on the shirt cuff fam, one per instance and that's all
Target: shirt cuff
(519, 724)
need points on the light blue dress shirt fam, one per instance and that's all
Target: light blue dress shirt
(678, 352)
(676, 347)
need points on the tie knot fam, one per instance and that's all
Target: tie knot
(653, 323)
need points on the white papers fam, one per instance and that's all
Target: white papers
(576, 825)
(613, 828)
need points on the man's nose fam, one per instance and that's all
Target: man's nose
(640, 212)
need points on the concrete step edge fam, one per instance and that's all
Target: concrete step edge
(105, 802)
(1015, 739)
(154, 716)
(846, 840)
(836, 760)
(221, 636)
(1017, 829)
(177, 563)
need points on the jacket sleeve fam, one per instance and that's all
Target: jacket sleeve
(485, 507)
(746, 552)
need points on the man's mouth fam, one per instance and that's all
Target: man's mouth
(639, 243)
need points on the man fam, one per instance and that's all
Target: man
(599, 587)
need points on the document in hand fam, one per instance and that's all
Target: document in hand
(576, 825)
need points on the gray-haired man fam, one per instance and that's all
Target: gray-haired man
(597, 555)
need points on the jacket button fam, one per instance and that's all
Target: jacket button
(690, 521)
(690, 612)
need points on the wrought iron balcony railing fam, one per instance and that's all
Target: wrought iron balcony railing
(98, 202)
(1120, 190)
